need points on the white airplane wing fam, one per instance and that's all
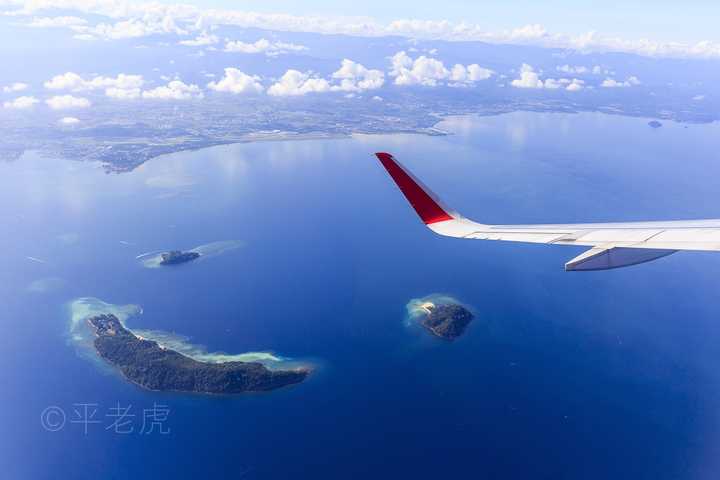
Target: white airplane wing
(613, 244)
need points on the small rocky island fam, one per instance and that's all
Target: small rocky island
(154, 367)
(655, 124)
(447, 321)
(176, 257)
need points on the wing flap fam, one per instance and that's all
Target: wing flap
(606, 258)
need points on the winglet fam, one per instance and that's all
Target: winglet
(422, 199)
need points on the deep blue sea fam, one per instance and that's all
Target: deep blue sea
(598, 375)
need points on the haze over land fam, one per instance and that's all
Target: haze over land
(128, 84)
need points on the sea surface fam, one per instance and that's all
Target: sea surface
(596, 375)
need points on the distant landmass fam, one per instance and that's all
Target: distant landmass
(447, 321)
(176, 257)
(152, 366)
(123, 139)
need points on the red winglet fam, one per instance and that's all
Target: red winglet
(420, 197)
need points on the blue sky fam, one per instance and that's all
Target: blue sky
(658, 20)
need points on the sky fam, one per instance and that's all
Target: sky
(661, 20)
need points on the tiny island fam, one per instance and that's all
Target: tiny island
(655, 124)
(176, 257)
(152, 366)
(447, 321)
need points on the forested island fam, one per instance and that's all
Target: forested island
(152, 366)
(176, 257)
(447, 321)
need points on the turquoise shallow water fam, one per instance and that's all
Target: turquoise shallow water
(562, 375)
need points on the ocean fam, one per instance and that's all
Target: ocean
(562, 375)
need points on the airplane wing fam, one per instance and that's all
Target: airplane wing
(612, 245)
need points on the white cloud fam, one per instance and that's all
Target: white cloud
(174, 90)
(62, 102)
(431, 72)
(85, 37)
(698, 98)
(575, 85)
(50, 22)
(294, 83)
(15, 87)
(537, 35)
(201, 40)
(460, 74)
(74, 82)
(351, 77)
(553, 84)
(69, 121)
(612, 83)
(21, 103)
(355, 77)
(577, 70)
(421, 71)
(131, 28)
(122, 93)
(236, 81)
(581, 70)
(263, 46)
(529, 78)
(66, 81)
(151, 18)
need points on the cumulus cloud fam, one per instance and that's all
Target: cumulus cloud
(581, 70)
(421, 71)
(236, 81)
(355, 77)
(431, 72)
(294, 83)
(21, 103)
(553, 84)
(62, 102)
(350, 77)
(174, 90)
(263, 46)
(529, 78)
(201, 40)
(460, 74)
(74, 82)
(15, 87)
(122, 93)
(577, 70)
(575, 85)
(62, 21)
(66, 81)
(151, 18)
(69, 121)
(131, 28)
(612, 83)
